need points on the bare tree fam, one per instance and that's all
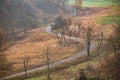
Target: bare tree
(74, 31)
(61, 35)
(25, 31)
(48, 63)
(83, 30)
(69, 22)
(70, 35)
(100, 42)
(89, 39)
(25, 63)
(78, 6)
(113, 43)
(79, 27)
(115, 39)
(82, 75)
(57, 36)
(111, 62)
(59, 28)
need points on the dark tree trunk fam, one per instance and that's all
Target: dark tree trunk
(48, 64)
(13, 32)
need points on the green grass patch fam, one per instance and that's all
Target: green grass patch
(106, 20)
(37, 78)
(93, 3)
(98, 4)
(70, 2)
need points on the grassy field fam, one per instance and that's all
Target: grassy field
(106, 20)
(38, 78)
(98, 4)
(93, 3)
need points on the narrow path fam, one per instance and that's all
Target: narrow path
(53, 65)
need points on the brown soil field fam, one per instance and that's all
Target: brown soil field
(34, 46)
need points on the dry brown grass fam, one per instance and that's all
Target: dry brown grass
(34, 46)
(90, 20)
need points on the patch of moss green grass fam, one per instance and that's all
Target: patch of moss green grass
(111, 19)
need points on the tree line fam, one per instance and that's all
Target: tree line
(16, 15)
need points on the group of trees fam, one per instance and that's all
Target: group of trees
(63, 27)
(59, 26)
(16, 15)
(112, 62)
(78, 6)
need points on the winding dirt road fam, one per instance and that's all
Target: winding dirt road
(53, 65)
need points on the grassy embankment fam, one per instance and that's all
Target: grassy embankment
(113, 17)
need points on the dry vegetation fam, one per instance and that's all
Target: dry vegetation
(89, 18)
(34, 46)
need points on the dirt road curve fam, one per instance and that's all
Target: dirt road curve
(53, 65)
